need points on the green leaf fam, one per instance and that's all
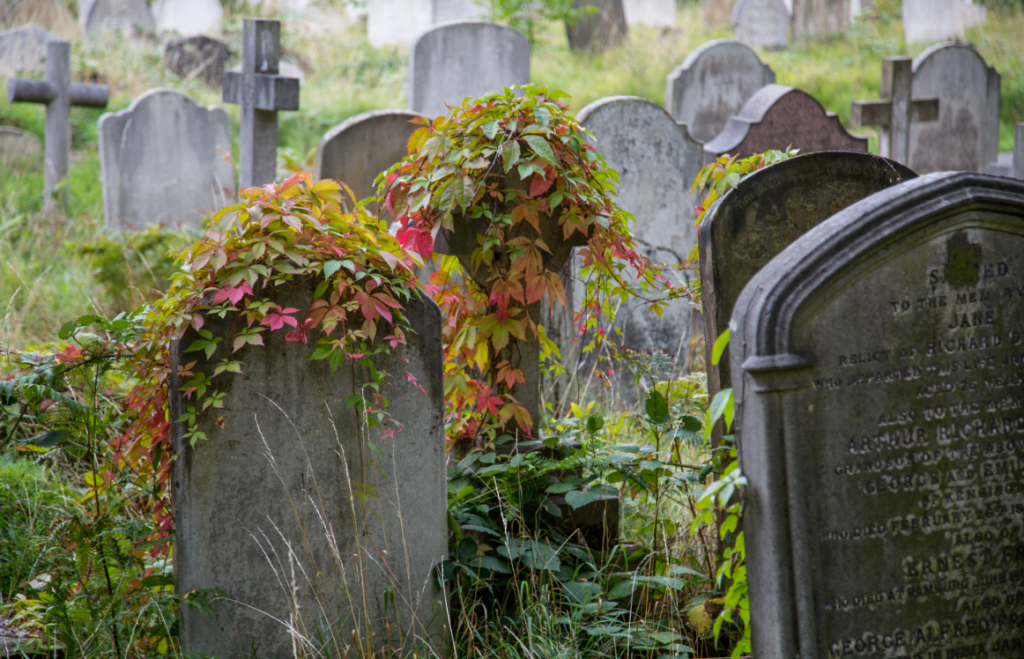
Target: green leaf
(510, 154)
(720, 343)
(67, 329)
(466, 549)
(657, 407)
(595, 422)
(579, 498)
(721, 405)
(49, 439)
(492, 563)
(330, 267)
(541, 147)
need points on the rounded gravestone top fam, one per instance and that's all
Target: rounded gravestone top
(20, 150)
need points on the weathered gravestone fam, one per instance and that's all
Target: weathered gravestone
(467, 58)
(117, 15)
(48, 14)
(397, 21)
(603, 28)
(1012, 163)
(939, 20)
(261, 93)
(165, 160)
(776, 117)
(267, 508)
(764, 214)
(58, 93)
(652, 13)
(879, 419)
(761, 23)
(718, 13)
(818, 18)
(188, 17)
(966, 136)
(358, 149)
(24, 49)
(712, 84)
(197, 57)
(20, 150)
(657, 162)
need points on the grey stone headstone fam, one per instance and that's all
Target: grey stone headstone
(777, 117)
(397, 21)
(764, 214)
(819, 18)
(761, 23)
(24, 49)
(966, 136)
(1003, 166)
(600, 30)
(20, 150)
(188, 17)
(165, 160)
(197, 57)
(358, 149)
(287, 469)
(652, 13)
(712, 84)
(465, 58)
(118, 15)
(879, 408)
(50, 14)
(718, 13)
(657, 162)
(939, 20)
(446, 11)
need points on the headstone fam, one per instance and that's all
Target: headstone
(657, 162)
(197, 57)
(763, 215)
(397, 21)
(358, 149)
(896, 111)
(712, 84)
(165, 160)
(819, 18)
(262, 93)
(58, 93)
(446, 11)
(188, 17)
(50, 14)
(117, 15)
(761, 23)
(966, 136)
(285, 508)
(652, 13)
(24, 49)
(20, 150)
(601, 29)
(468, 58)
(718, 13)
(1011, 163)
(1003, 166)
(939, 20)
(777, 117)
(878, 418)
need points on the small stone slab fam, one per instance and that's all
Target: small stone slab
(197, 57)
(651, 13)
(764, 214)
(879, 417)
(358, 149)
(23, 49)
(20, 150)
(164, 160)
(777, 117)
(712, 84)
(118, 15)
(966, 136)
(927, 21)
(601, 30)
(761, 23)
(50, 14)
(188, 17)
(466, 58)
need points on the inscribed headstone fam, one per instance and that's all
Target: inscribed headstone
(879, 412)
(197, 57)
(718, 13)
(358, 149)
(939, 20)
(819, 18)
(657, 162)
(20, 150)
(966, 136)
(761, 23)
(712, 84)
(188, 17)
(601, 29)
(652, 13)
(287, 474)
(777, 117)
(165, 160)
(24, 49)
(765, 213)
(50, 14)
(466, 58)
(118, 15)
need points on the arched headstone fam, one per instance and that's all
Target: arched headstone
(24, 49)
(123, 15)
(761, 23)
(20, 150)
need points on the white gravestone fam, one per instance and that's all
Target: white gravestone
(657, 162)
(401, 21)
(938, 20)
(712, 84)
(652, 13)
(188, 17)
(465, 58)
(117, 15)
(165, 160)
(24, 49)
(966, 136)
(761, 23)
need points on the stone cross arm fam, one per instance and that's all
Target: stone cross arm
(269, 92)
(879, 113)
(20, 90)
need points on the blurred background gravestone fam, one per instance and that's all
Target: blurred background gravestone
(652, 13)
(116, 15)
(50, 14)
(818, 18)
(197, 57)
(401, 21)
(20, 150)
(761, 23)
(188, 17)
(602, 28)
(24, 49)
(712, 84)
(939, 20)
(718, 13)
(165, 160)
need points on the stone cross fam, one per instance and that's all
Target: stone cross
(58, 93)
(262, 93)
(896, 110)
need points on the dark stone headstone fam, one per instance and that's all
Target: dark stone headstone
(777, 117)
(880, 424)
(603, 28)
(197, 57)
